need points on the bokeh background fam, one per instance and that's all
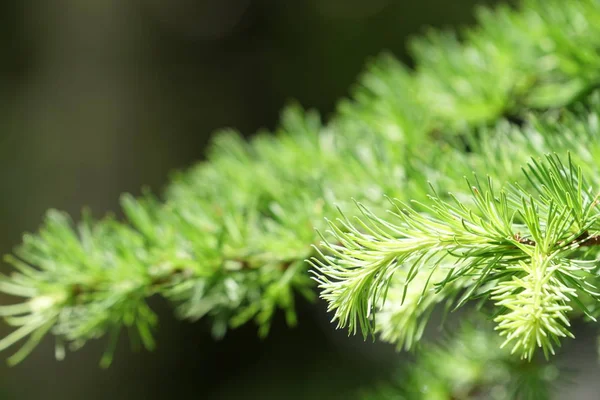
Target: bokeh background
(108, 96)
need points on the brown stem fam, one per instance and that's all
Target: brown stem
(583, 240)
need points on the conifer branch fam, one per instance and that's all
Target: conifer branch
(487, 242)
(229, 238)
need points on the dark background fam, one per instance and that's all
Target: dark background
(103, 97)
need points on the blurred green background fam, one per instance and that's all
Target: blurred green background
(103, 97)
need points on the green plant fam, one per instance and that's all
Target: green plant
(469, 365)
(229, 238)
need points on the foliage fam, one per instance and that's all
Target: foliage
(468, 365)
(525, 253)
(229, 238)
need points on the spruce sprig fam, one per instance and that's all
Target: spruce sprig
(229, 238)
(523, 253)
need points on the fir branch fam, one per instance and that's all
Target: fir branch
(529, 275)
(229, 237)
